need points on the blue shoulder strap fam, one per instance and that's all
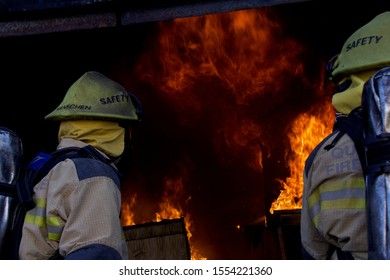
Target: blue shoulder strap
(43, 163)
(37, 169)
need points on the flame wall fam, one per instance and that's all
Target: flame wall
(223, 91)
(224, 96)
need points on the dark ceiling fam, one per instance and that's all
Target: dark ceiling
(23, 17)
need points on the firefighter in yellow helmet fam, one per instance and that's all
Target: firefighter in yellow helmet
(77, 204)
(334, 217)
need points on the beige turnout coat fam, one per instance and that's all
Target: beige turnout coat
(77, 204)
(333, 204)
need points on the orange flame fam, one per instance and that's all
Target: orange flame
(170, 208)
(243, 50)
(307, 131)
(229, 72)
(246, 53)
(127, 217)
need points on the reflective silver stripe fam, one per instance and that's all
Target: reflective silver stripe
(35, 220)
(314, 211)
(37, 212)
(37, 216)
(41, 203)
(349, 194)
(354, 183)
(54, 228)
(345, 193)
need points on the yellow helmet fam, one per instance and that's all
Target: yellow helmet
(94, 96)
(367, 48)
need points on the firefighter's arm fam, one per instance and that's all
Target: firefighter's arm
(314, 245)
(93, 229)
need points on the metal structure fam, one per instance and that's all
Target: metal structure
(27, 17)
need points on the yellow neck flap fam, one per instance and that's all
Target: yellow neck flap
(351, 98)
(105, 136)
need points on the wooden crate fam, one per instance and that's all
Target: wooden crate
(165, 240)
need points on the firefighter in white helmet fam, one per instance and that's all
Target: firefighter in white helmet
(77, 204)
(334, 217)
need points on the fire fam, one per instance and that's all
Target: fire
(127, 218)
(170, 208)
(307, 130)
(242, 50)
(224, 88)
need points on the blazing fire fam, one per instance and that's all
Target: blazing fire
(223, 89)
(306, 132)
(170, 209)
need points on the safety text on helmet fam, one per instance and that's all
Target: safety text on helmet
(363, 41)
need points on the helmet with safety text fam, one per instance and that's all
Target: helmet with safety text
(96, 97)
(367, 48)
(366, 51)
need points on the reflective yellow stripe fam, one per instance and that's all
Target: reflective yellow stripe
(352, 203)
(37, 217)
(314, 198)
(35, 220)
(353, 183)
(54, 236)
(315, 220)
(41, 203)
(54, 228)
(53, 221)
(342, 184)
(348, 194)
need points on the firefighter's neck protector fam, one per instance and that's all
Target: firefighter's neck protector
(94, 96)
(367, 48)
(106, 136)
(345, 101)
